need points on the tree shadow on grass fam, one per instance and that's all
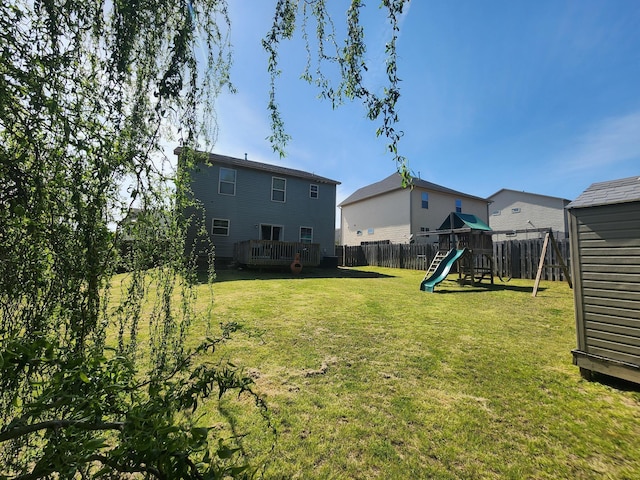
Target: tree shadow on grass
(231, 275)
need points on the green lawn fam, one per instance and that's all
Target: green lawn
(368, 377)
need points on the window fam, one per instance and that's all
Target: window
(278, 189)
(359, 233)
(313, 191)
(306, 235)
(227, 183)
(425, 200)
(370, 231)
(458, 206)
(220, 226)
(496, 213)
(424, 229)
(271, 232)
(515, 210)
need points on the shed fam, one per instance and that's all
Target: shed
(604, 231)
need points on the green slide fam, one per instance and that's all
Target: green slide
(428, 284)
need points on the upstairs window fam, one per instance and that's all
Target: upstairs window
(314, 190)
(278, 189)
(227, 183)
(458, 206)
(425, 200)
(306, 235)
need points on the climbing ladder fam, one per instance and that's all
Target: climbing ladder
(434, 264)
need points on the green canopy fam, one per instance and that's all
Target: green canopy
(464, 220)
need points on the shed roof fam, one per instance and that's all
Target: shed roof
(224, 160)
(464, 220)
(605, 193)
(394, 182)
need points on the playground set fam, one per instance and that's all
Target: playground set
(466, 240)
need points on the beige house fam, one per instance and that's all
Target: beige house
(521, 215)
(384, 212)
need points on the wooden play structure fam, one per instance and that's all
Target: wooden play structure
(463, 231)
(549, 238)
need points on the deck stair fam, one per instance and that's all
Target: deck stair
(435, 263)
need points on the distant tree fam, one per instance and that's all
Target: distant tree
(96, 379)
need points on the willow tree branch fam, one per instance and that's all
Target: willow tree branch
(21, 430)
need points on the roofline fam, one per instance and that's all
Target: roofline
(606, 186)
(528, 193)
(602, 203)
(214, 158)
(426, 186)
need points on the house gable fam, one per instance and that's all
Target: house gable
(385, 211)
(524, 214)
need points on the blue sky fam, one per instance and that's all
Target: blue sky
(541, 96)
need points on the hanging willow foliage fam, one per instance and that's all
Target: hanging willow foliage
(96, 379)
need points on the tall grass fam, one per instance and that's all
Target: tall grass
(368, 377)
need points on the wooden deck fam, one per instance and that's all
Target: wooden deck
(269, 253)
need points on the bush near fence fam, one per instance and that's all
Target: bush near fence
(512, 259)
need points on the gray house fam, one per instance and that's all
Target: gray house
(522, 215)
(261, 214)
(604, 224)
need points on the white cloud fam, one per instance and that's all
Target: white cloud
(611, 142)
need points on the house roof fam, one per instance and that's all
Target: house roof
(394, 182)
(605, 193)
(214, 158)
(527, 193)
(464, 220)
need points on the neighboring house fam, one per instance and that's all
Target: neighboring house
(604, 224)
(384, 212)
(245, 200)
(523, 214)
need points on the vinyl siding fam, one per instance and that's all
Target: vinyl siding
(252, 206)
(605, 242)
(381, 218)
(440, 206)
(540, 210)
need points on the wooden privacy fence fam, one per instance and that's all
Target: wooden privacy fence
(392, 255)
(512, 259)
(520, 259)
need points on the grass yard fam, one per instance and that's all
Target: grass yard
(367, 377)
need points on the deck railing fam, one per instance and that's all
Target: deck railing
(262, 253)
